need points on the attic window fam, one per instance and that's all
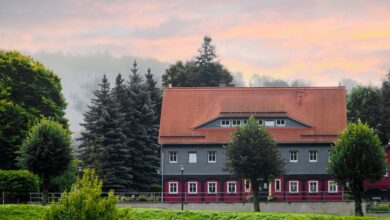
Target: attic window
(280, 123)
(225, 123)
(269, 123)
(260, 122)
(236, 122)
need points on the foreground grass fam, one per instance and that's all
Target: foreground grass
(34, 212)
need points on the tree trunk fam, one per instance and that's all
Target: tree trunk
(45, 190)
(255, 191)
(357, 195)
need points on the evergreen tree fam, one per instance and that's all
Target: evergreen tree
(385, 93)
(204, 70)
(155, 94)
(103, 144)
(143, 132)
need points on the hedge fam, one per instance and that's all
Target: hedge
(17, 184)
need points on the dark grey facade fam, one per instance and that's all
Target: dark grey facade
(203, 167)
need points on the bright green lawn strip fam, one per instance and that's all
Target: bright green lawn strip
(19, 212)
(35, 212)
(151, 214)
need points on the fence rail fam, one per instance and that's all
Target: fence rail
(155, 197)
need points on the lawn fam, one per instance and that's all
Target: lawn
(32, 212)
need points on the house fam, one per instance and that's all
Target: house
(196, 123)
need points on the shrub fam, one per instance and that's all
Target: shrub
(84, 201)
(155, 188)
(17, 184)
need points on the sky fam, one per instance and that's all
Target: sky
(320, 41)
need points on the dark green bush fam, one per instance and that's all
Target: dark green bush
(155, 188)
(380, 207)
(17, 184)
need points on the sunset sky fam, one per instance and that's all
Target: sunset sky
(320, 41)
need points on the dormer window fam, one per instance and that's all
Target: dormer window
(236, 122)
(225, 123)
(260, 122)
(280, 123)
(244, 122)
(269, 123)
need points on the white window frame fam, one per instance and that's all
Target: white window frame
(260, 122)
(188, 187)
(280, 185)
(215, 157)
(169, 156)
(316, 155)
(189, 157)
(225, 125)
(316, 183)
(177, 187)
(271, 123)
(228, 189)
(336, 187)
(296, 155)
(279, 124)
(289, 187)
(208, 187)
(236, 122)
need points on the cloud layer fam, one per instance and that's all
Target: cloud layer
(319, 41)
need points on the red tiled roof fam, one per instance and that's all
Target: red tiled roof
(323, 109)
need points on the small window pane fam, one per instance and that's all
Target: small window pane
(225, 123)
(212, 187)
(293, 156)
(212, 157)
(231, 187)
(192, 157)
(173, 187)
(277, 185)
(192, 187)
(313, 186)
(269, 123)
(313, 156)
(332, 187)
(293, 186)
(172, 157)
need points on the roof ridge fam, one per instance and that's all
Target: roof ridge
(257, 88)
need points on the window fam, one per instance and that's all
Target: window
(231, 187)
(280, 123)
(269, 123)
(192, 187)
(313, 156)
(212, 187)
(236, 122)
(192, 157)
(244, 122)
(212, 157)
(277, 185)
(293, 156)
(225, 123)
(247, 185)
(332, 187)
(293, 187)
(173, 187)
(313, 186)
(260, 122)
(172, 157)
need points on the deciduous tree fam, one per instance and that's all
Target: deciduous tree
(46, 151)
(253, 154)
(357, 156)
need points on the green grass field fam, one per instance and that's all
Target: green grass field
(32, 212)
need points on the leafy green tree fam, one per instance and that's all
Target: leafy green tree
(253, 154)
(84, 201)
(28, 91)
(13, 121)
(104, 144)
(385, 93)
(364, 103)
(204, 70)
(357, 156)
(65, 180)
(46, 151)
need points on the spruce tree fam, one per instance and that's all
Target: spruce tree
(143, 132)
(155, 94)
(385, 93)
(103, 144)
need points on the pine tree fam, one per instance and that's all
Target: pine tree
(155, 94)
(103, 144)
(385, 93)
(143, 131)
